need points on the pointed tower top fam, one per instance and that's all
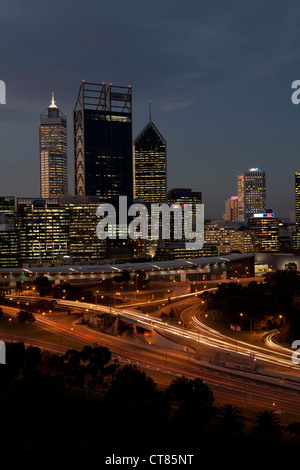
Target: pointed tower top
(53, 104)
(150, 111)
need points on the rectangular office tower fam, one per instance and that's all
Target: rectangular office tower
(251, 193)
(53, 152)
(266, 231)
(102, 120)
(43, 228)
(149, 155)
(296, 234)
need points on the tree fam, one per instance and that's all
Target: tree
(194, 402)
(141, 280)
(43, 285)
(267, 425)
(25, 317)
(294, 428)
(229, 419)
(130, 386)
(183, 389)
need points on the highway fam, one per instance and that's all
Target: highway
(243, 387)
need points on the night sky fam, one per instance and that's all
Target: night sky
(219, 75)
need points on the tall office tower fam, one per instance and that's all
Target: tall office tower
(297, 200)
(231, 209)
(53, 152)
(102, 120)
(149, 167)
(241, 198)
(296, 235)
(251, 193)
(266, 229)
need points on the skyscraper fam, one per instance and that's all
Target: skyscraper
(149, 154)
(251, 193)
(241, 198)
(53, 152)
(102, 120)
(297, 200)
(231, 209)
(296, 235)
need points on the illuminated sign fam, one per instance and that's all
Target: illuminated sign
(265, 215)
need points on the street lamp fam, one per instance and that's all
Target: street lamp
(282, 317)
(243, 315)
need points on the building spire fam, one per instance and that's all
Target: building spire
(150, 111)
(53, 104)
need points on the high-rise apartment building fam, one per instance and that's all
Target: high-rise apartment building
(53, 152)
(149, 156)
(251, 193)
(102, 120)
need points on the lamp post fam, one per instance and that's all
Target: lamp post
(96, 299)
(243, 315)
(282, 317)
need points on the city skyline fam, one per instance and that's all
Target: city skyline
(222, 106)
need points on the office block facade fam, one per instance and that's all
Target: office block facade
(266, 229)
(83, 243)
(43, 227)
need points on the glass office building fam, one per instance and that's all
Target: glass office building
(102, 120)
(149, 156)
(53, 152)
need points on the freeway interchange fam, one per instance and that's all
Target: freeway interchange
(249, 375)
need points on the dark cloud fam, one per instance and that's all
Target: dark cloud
(218, 74)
